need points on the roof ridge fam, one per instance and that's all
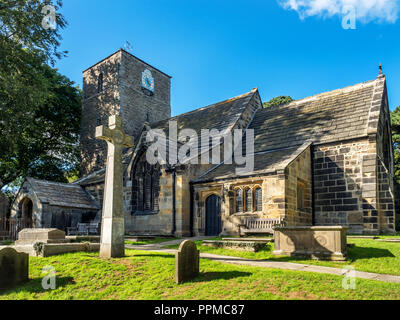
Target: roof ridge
(254, 90)
(326, 93)
(64, 184)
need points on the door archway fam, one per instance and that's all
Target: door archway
(213, 216)
(27, 211)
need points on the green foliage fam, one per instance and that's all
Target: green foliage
(39, 108)
(277, 101)
(395, 121)
(21, 26)
(40, 126)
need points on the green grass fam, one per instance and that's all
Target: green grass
(146, 275)
(367, 255)
(152, 241)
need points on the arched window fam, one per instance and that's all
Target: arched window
(239, 200)
(100, 83)
(249, 200)
(258, 195)
(145, 187)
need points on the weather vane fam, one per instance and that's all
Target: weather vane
(128, 46)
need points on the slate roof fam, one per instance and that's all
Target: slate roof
(280, 132)
(62, 194)
(330, 116)
(264, 163)
(221, 116)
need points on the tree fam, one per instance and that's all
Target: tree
(39, 108)
(42, 141)
(277, 101)
(21, 25)
(395, 121)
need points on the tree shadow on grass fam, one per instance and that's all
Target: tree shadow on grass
(166, 255)
(358, 253)
(35, 286)
(353, 254)
(224, 275)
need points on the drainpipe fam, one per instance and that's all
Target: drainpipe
(191, 209)
(173, 201)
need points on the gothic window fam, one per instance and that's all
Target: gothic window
(239, 200)
(145, 188)
(249, 201)
(100, 83)
(258, 202)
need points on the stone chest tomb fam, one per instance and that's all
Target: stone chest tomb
(322, 243)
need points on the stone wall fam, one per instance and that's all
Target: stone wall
(96, 108)
(63, 217)
(353, 180)
(136, 106)
(385, 184)
(345, 186)
(340, 170)
(298, 175)
(278, 198)
(159, 223)
(274, 195)
(18, 211)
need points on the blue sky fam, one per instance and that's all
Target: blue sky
(217, 49)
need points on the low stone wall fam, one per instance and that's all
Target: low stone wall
(252, 246)
(48, 250)
(321, 243)
(77, 239)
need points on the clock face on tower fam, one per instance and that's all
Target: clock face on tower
(148, 80)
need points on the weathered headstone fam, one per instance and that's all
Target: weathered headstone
(14, 267)
(187, 261)
(113, 225)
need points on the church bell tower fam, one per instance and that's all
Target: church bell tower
(125, 85)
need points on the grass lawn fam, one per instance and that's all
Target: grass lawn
(367, 255)
(152, 241)
(146, 275)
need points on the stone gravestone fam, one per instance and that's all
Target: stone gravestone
(113, 221)
(187, 261)
(14, 267)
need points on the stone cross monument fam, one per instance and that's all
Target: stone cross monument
(113, 224)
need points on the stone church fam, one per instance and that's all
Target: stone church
(322, 160)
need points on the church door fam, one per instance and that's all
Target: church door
(213, 216)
